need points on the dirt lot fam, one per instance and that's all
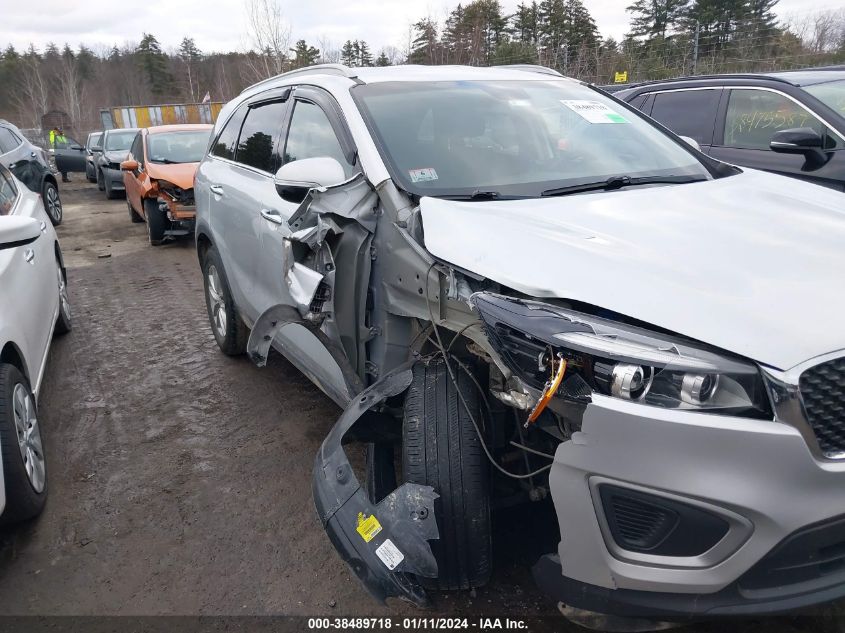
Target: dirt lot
(180, 479)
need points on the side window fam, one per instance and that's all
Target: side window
(137, 149)
(753, 116)
(261, 129)
(227, 142)
(639, 101)
(688, 112)
(8, 192)
(8, 140)
(311, 135)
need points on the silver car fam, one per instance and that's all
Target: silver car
(523, 291)
(112, 150)
(31, 166)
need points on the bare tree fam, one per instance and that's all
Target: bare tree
(33, 98)
(329, 50)
(821, 31)
(71, 88)
(268, 35)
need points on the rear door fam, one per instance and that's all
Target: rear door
(749, 119)
(689, 112)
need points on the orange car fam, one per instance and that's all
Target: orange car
(159, 178)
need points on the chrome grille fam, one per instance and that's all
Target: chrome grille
(823, 393)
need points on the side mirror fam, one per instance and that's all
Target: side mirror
(17, 230)
(691, 142)
(129, 165)
(77, 148)
(801, 140)
(294, 179)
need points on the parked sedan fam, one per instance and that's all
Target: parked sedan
(115, 144)
(159, 178)
(521, 290)
(91, 144)
(31, 166)
(33, 306)
(790, 123)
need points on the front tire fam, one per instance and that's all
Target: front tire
(101, 180)
(111, 194)
(441, 448)
(21, 447)
(229, 330)
(64, 322)
(52, 202)
(157, 222)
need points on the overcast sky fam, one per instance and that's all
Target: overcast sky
(220, 25)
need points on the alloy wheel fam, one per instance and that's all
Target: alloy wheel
(64, 299)
(216, 301)
(54, 204)
(29, 437)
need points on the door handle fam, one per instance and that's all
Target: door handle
(29, 255)
(43, 226)
(272, 216)
(217, 190)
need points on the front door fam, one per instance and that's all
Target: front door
(750, 119)
(70, 156)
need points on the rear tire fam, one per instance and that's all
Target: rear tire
(229, 330)
(25, 493)
(157, 222)
(440, 448)
(133, 214)
(52, 202)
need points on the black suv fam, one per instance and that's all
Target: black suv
(790, 123)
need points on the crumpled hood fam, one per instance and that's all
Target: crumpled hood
(181, 174)
(753, 263)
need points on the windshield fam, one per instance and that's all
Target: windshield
(178, 147)
(516, 138)
(94, 140)
(832, 94)
(120, 140)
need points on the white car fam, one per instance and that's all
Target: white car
(33, 305)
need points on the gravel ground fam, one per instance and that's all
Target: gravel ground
(180, 479)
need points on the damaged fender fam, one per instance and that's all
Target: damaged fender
(383, 543)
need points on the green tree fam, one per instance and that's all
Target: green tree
(153, 64)
(425, 47)
(365, 57)
(304, 55)
(382, 59)
(655, 18)
(525, 26)
(348, 56)
(190, 56)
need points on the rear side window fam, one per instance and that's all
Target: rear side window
(8, 140)
(227, 142)
(311, 135)
(754, 116)
(688, 112)
(137, 149)
(8, 192)
(260, 131)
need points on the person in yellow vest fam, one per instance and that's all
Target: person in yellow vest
(59, 140)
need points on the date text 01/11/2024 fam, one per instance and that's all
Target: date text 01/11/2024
(416, 624)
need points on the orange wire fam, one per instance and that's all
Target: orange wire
(548, 392)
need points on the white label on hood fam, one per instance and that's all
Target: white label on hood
(389, 554)
(593, 111)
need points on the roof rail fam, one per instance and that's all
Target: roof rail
(320, 69)
(532, 68)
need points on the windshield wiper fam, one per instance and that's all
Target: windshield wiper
(617, 182)
(165, 161)
(480, 194)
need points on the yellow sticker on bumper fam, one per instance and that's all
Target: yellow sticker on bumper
(368, 527)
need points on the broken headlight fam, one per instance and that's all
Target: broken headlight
(619, 360)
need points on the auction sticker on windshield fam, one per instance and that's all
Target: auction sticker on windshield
(593, 111)
(422, 175)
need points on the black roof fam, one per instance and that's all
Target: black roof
(803, 77)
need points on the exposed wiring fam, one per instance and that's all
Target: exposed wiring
(549, 390)
(454, 380)
(532, 450)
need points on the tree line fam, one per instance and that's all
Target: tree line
(665, 38)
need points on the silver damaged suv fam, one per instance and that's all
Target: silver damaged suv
(521, 290)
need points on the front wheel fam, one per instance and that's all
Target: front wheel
(229, 330)
(101, 180)
(52, 203)
(441, 448)
(21, 448)
(133, 214)
(111, 194)
(64, 322)
(157, 222)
